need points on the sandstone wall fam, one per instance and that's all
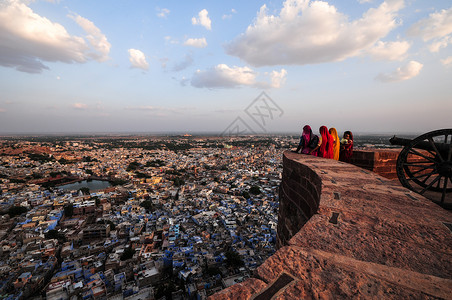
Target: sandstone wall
(345, 232)
(380, 161)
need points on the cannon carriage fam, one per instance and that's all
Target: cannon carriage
(425, 163)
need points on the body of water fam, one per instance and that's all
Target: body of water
(93, 185)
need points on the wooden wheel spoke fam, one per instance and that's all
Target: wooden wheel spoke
(421, 155)
(434, 148)
(430, 185)
(422, 175)
(438, 184)
(420, 170)
(417, 163)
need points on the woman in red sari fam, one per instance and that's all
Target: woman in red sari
(326, 147)
(346, 150)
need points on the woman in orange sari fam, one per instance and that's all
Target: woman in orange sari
(336, 143)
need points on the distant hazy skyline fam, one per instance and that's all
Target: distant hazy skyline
(197, 66)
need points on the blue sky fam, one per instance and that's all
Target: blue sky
(195, 66)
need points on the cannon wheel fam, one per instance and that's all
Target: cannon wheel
(427, 170)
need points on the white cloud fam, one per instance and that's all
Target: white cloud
(437, 25)
(405, 72)
(307, 32)
(28, 39)
(278, 78)
(203, 19)
(437, 28)
(389, 50)
(198, 43)
(223, 76)
(80, 106)
(95, 37)
(447, 61)
(441, 43)
(138, 59)
(365, 1)
(163, 13)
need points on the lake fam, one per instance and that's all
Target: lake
(93, 185)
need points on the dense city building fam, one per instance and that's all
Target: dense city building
(180, 217)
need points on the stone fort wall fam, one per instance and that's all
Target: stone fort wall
(345, 232)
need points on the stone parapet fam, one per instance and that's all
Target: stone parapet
(345, 232)
(381, 161)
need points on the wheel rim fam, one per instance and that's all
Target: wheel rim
(425, 164)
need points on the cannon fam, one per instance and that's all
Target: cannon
(425, 163)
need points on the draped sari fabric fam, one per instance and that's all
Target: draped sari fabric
(346, 150)
(336, 143)
(305, 139)
(326, 148)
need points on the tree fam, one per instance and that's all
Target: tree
(246, 195)
(68, 210)
(54, 234)
(178, 181)
(233, 259)
(132, 166)
(16, 211)
(212, 271)
(255, 190)
(128, 253)
(147, 204)
(84, 190)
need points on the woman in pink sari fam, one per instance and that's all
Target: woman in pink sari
(306, 137)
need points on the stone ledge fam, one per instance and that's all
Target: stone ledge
(387, 242)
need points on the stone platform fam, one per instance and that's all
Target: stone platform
(345, 232)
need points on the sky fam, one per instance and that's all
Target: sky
(118, 66)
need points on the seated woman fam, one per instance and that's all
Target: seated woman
(307, 143)
(326, 145)
(346, 149)
(336, 143)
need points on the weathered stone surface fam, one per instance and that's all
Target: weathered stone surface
(243, 290)
(386, 242)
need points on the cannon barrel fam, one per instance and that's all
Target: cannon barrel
(423, 145)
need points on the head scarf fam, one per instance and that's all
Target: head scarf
(306, 135)
(336, 143)
(323, 150)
